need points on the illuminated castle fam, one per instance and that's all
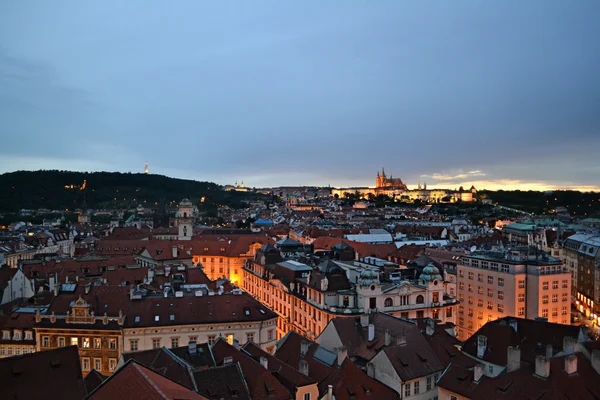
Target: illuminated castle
(382, 181)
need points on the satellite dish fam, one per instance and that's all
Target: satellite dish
(473, 248)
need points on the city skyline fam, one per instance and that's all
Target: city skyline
(468, 94)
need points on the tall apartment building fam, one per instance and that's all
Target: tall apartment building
(581, 254)
(520, 282)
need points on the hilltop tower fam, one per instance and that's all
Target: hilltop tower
(146, 168)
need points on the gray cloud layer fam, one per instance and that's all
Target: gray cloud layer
(304, 93)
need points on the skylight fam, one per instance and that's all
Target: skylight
(137, 318)
(172, 317)
(156, 318)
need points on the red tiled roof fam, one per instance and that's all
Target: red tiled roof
(524, 384)
(288, 375)
(225, 382)
(363, 249)
(196, 310)
(134, 381)
(164, 362)
(261, 383)
(351, 383)
(39, 375)
(531, 337)
(128, 233)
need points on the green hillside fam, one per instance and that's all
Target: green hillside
(61, 190)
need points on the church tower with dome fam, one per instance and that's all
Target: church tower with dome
(185, 220)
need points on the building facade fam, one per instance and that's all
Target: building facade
(91, 318)
(522, 282)
(201, 317)
(581, 253)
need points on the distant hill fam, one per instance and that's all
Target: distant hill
(60, 190)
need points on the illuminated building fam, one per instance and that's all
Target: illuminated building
(306, 299)
(520, 282)
(146, 168)
(582, 255)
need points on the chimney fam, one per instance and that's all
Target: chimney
(513, 359)
(264, 362)
(304, 347)
(236, 344)
(303, 367)
(174, 249)
(571, 364)
(481, 345)
(388, 337)
(429, 327)
(371, 370)
(329, 392)
(549, 351)
(596, 360)
(401, 340)
(542, 367)
(364, 320)
(192, 347)
(478, 372)
(371, 332)
(513, 324)
(342, 353)
(569, 344)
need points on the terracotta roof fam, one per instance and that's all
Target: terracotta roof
(195, 310)
(225, 382)
(35, 376)
(128, 233)
(363, 249)
(288, 375)
(134, 381)
(351, 383)
(524, 384)
(531, 336)
(261, 383)
(289, 352)
(164, 362)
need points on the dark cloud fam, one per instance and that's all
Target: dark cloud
(306, 94)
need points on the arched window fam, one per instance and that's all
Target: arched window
(388, 302)
(185, 215)
(420, 299)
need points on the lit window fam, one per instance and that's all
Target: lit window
(112, 344)
(112, 364)
(97, 343)
(86, 343)
(74, 341)
(229, 338)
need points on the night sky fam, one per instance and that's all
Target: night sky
(502, 94)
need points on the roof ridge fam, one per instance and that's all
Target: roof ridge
(147, 378)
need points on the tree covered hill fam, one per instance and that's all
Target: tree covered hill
(61, 190)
